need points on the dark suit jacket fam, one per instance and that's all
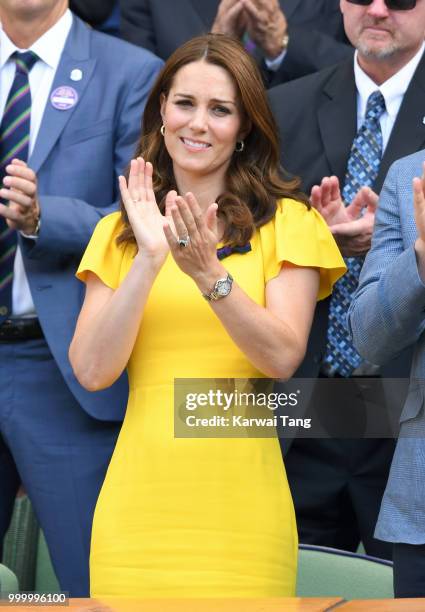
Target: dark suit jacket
(92, 11)
(316, 33)
(317, 120)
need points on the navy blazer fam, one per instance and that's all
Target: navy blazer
(78, 156)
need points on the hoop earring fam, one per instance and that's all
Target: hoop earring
(162, 130)
(240, 146)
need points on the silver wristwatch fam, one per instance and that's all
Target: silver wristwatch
(221, 288)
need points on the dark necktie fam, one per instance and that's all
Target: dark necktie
(14, 142)
(362, 169)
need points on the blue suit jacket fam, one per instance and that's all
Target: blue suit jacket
(387, 315)
(78, 156)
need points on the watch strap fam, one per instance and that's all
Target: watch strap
(214, 294)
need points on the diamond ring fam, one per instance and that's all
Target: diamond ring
(183, 242)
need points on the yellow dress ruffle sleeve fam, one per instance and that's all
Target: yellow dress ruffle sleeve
(301, 237)
(109, 261)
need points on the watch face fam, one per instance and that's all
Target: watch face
(223, 288)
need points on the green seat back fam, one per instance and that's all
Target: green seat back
(45, 577)
(327, 572)
(25, 551)
(20, 543)
(8, 581)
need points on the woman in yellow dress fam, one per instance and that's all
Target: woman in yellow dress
(211, 270)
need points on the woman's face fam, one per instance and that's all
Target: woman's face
(202, 120)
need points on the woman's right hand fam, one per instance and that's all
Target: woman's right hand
(143, 213)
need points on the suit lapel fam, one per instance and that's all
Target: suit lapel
(75, 56)
(408, 134)
(337, 117)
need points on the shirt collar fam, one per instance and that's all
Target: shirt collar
(48, 47)
(393, 89)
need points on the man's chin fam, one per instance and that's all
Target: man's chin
(377, 51)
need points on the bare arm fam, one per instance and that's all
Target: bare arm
(273, 338)
(108, 325)
(99, 354)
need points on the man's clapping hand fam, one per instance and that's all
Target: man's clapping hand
(351, 225)
(20, 190)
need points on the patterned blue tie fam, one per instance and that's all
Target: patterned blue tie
(14, 142)
(362, 169)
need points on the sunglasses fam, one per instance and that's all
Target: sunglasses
(393, 5)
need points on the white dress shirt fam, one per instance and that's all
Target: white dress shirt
(49, 49)
(393, 91)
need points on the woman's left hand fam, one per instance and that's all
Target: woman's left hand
(198, 258)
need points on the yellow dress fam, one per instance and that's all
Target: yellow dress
(180, 517)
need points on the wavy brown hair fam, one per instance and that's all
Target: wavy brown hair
(255, 179)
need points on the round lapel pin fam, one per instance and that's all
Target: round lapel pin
(64, 98)
(76, 74)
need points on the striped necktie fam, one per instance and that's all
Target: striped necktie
(362, 169)
(14, 142)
